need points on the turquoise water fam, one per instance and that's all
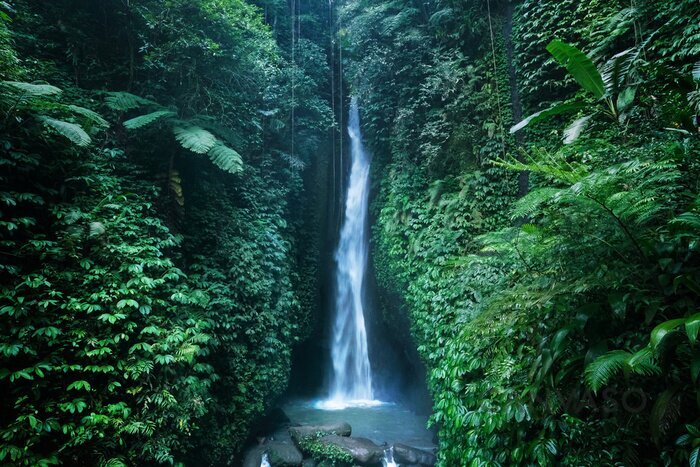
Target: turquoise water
(389, 422)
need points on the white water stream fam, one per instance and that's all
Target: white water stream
(351, 381)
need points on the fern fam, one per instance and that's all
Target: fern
(71, 131)
(123, 101)
(90, 115)
(33, 90)
(603, 368)
(195, 138)
(225, 158)
(143, 120)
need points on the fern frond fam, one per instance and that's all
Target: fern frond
(642, 362)
(91, 115)
(195, 138)
(123, 101)
(71, 131)
(226, 158)
(143, 120)
(603, 368)
(32, 90)
(533, 201)
(664, 414)
(696, 72)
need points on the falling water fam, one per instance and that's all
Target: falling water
(388, 460)
(351, 383)
(265, 460)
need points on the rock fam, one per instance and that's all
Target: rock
(362, 450)
(270, 422)
(308, 463)
(253, 457)
(303, 431)
(407, 455)
(283, 454)
(279, 454)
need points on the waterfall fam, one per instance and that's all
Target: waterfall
(351, 381)
(388, 460)
(265, 460)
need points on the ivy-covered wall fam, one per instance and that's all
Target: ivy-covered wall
(159, 240)
(520, 305)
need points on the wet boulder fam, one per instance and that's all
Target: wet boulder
(283, 454)
(279, 454)
(408, 455)
(298, 433)
(362, 450)
(253, 458)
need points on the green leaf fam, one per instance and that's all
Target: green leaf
(143, 120)
(574, 130)
(625, 98)
(71, 131)
(195, 139)
(692, 326)
(581, 67)
(91, 115)
(660, 331)
(603, 368)
(696, 72)
(125, 101)
(226, 158)
(556, 109)
(32, 89)
(78, 385)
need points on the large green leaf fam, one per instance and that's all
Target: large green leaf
(692, 326)
(125, 101)
(32, 89)
(556, 109)
(579, 65)
(143, 120)
(195, 138)
(226, 158)
(71, 131)
(91, 115)
(660, 331)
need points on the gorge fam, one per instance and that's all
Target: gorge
(349, 232)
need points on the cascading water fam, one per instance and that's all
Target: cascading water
(388, 460)
(351, 381)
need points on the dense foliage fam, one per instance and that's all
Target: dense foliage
(559, 327)
(167, 168)
(153, 213)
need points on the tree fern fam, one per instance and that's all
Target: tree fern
(226, 158)
(90, 115)
(71, 131)
(34, 90)
(147, 119)
(195, 138)
(124, 101)
(603, 368)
